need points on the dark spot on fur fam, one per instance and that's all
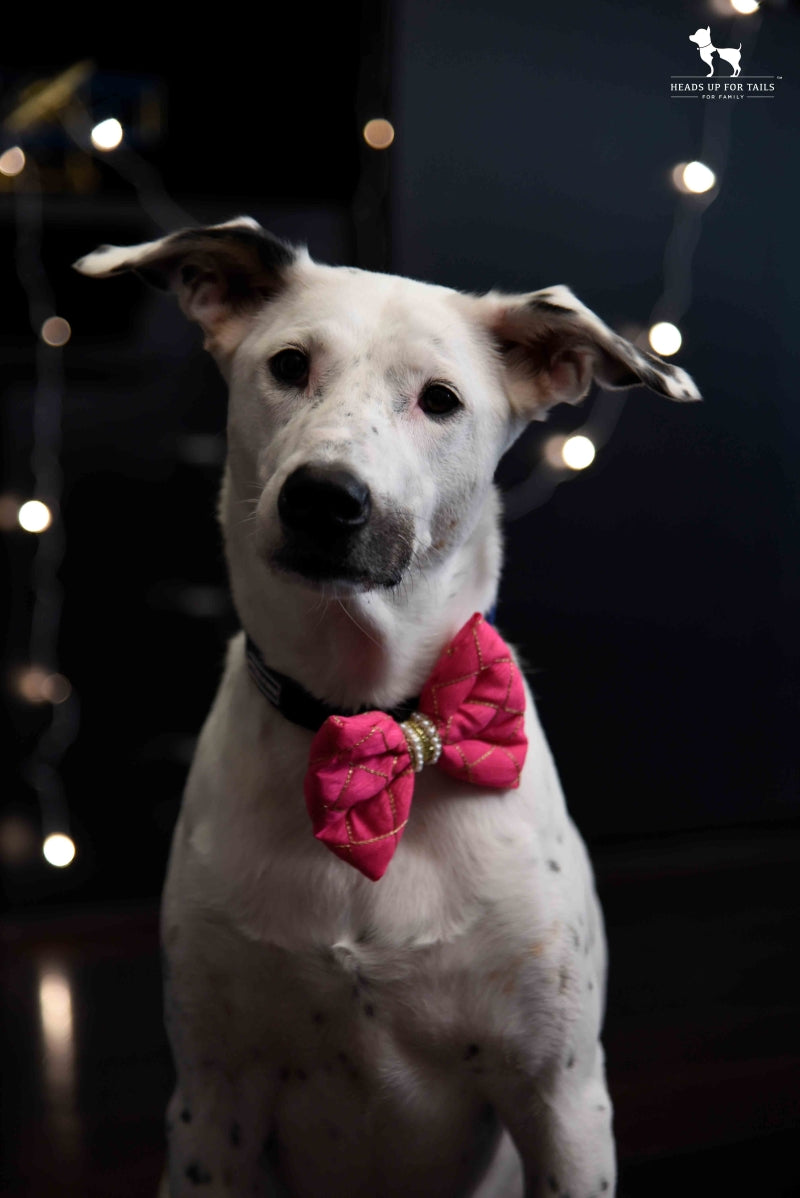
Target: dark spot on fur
(375, 431)
(552, 1182)
(604, 1183)
(186, 1115)
(198, 1174)
(556, 868)
(348, 1067)
(563, 980)
(472, 1051)
(576, 940)
(600, 1107)
(590, 985)
(570, 1060)
(369, 1009)
(317, 1017)
(235, 1135)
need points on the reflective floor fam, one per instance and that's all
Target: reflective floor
(702, 1034)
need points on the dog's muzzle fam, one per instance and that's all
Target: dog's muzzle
(333, 531)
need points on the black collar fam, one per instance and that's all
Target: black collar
(297, 704)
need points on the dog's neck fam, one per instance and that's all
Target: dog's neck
(370, 649)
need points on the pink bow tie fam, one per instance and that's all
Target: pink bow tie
(470, 722)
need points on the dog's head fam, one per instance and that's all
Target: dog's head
(702, 37)
(368, 412)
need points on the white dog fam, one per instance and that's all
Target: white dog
(336, 1036)
(702, 39)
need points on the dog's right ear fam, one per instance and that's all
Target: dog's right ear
(220, 273)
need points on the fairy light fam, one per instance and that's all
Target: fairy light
(745, 7)
(378, 133)
(107, 135)
(578, 452)
(665, 338)
(58, 850)
(9, 513)
(56, 331)
(34, 516)
(693, 177)
(12, 162)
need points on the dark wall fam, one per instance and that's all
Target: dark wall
(655, 596)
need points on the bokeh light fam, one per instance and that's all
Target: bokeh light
(379, 134)
(59, 850)
(665, 338)
(107, 135)
(34, 516)
(55, 331)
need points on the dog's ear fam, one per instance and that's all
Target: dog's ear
(553, 346)
(219, 273)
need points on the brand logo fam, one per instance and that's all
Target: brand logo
(724, 63)
(702, 40)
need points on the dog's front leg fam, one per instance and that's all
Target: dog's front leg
(221, 1133)
(562, 1131)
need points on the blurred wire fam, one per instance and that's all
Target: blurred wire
(42, 769)
(672, 304)
(146, 181)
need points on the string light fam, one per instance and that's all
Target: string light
(59, 849)
(107, 135)
(12, 162)
(665, 338)
(18, 840)
(9, 513)
(379, 133)
(56, 331)
(745, 7)
(41, 682)
(35, 684)
(693, 177)
(34, 516)
(578, 452)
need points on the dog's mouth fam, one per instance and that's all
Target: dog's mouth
(326, 569)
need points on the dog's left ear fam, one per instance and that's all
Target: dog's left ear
(553, 346)
(219, 273)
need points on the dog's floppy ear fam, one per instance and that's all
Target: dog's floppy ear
(219, 273)
(553, 346)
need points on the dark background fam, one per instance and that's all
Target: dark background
(654, 596)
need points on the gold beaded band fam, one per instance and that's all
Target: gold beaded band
(424, 742)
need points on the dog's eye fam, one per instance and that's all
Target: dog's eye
(290, 366)
(438, 400)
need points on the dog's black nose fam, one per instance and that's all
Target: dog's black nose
(325, 500)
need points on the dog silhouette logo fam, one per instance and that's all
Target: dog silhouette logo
(702, 39)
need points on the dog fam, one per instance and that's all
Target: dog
(436, 1031)
(702, 38)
